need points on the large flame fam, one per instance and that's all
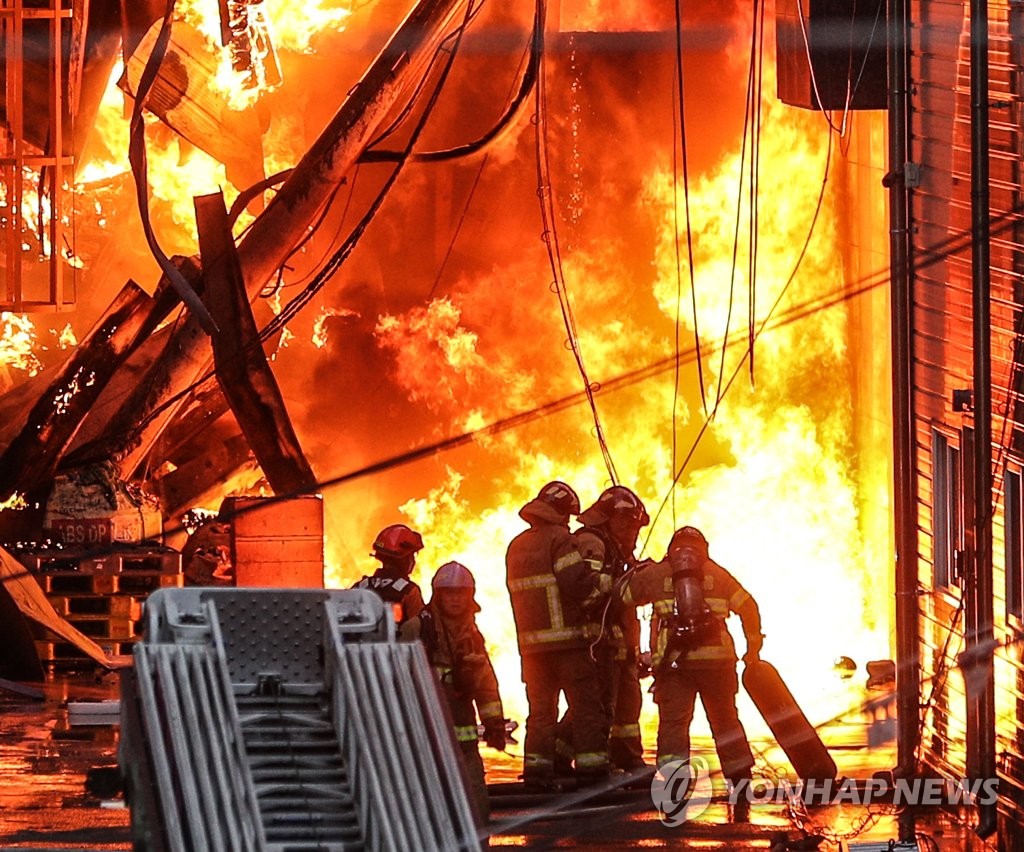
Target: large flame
(772, 478)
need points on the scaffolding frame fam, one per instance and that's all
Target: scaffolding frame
(37, 280)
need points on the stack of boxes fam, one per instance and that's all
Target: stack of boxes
(103, 561)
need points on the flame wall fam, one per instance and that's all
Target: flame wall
(443, 320)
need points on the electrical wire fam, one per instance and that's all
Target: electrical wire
(527, 84)
(338, 257)
(756, 46)
(532, 60)
(680, 116)
(545, 194)
(851, 88)
(764, 324)
(751, 131)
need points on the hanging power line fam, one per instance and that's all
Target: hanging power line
(751, 137)
(764, 324)
(679, 125)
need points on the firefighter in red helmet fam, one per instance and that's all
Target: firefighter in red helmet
(554, 595)
(456, 650)
(396, 547)
(607, 541)
(693, 652)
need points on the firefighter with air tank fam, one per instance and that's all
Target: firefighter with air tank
(693, 652)
(606, 541)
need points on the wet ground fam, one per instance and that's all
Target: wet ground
(52, 795)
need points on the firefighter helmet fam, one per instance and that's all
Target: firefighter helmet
(617, 500)
(397, 541)
(689, 538)
(453, 575)
(561, 497)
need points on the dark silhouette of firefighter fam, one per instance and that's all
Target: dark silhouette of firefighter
(606, 541)
(396, 547)
(456, 650)
(553, 590)
(693, 653)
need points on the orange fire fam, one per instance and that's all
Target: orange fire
(773, 482)
(17, 342)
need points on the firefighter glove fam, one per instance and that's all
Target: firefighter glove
(494, 733)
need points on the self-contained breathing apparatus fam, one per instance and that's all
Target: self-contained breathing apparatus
(692, 622)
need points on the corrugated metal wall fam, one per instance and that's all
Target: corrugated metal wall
(940, 216)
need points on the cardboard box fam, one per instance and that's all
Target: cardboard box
(277, 543)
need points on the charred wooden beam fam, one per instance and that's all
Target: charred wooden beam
(204, 408)
(31, 458)
(241, 365)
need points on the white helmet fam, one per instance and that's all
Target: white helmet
(453, 575)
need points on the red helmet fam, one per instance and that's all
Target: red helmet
(617, 500)
(397, 541)
(561, 497)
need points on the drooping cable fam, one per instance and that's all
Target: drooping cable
(527, 83)
(338, 257)
(545, 194)
(140, 171)
(747, 136)
(320, 279)
(756, 47)
(763, 325)
(531, 59)
(680, 125)
(851, 85)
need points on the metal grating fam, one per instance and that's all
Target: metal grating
(298, 712)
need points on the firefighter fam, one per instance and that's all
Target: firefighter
(396, 547)
(693, 653)
(607, 541)
(552, 589)
(456, 650)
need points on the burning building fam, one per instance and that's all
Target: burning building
(485, 247)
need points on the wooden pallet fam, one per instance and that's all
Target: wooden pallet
(115, 560)
(137, 583)
(115, 606)
(64, 653)
(103, 629)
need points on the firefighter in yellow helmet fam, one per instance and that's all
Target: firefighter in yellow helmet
(396, 547)
(693, 653)
(552, 591)
(456, 650)
(607, 541)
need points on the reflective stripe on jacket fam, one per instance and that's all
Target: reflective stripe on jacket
(551, 588)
